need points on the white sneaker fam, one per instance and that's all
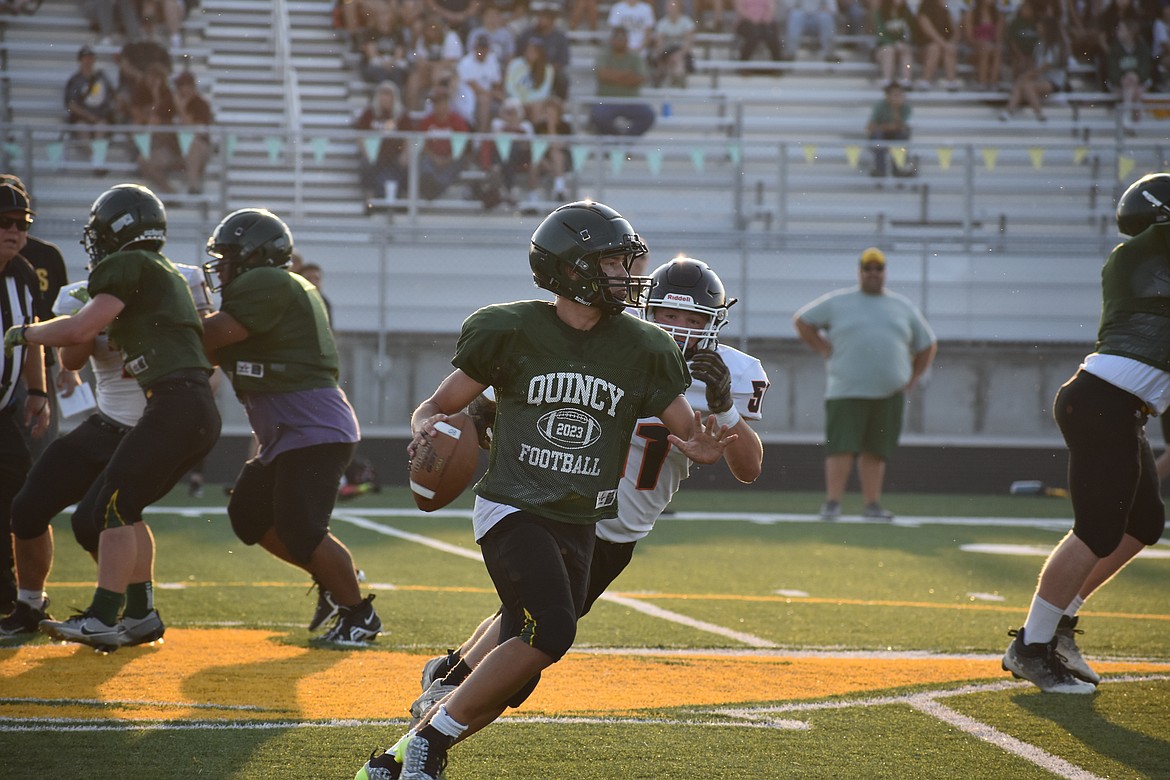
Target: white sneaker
(1039, 665)
(143, 630)
(428, 699)
(1069, 654)
(87, 629)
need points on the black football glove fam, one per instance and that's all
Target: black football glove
(483, 413)
(709, 368)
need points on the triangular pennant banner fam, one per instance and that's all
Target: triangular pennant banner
(504, 145)
(853, 155)
(142, 141)
(231, 145)
(370, 144)
(539, 147)
(579, 154)
(319, 147)
(735, 152)
(458, 144)
(698, 158)
(1125, 167)
(617, 158)
(56, 153)
(1036, 154)
(654, 160)
(274, 144)
(810, 153)
(989, 158)
(13, 150)
(185, 139)
(100, 147)
(899, 155)
(1079, 154)
(945, 154)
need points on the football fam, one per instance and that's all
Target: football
(442, 466)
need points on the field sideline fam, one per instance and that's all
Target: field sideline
(753, 643)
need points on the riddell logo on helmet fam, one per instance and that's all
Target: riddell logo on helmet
(677, 298)
(121, 222)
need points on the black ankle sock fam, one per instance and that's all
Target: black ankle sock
(457, 674)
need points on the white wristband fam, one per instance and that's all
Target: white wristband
(730, 418)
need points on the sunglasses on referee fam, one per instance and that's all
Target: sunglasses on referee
(22, 223)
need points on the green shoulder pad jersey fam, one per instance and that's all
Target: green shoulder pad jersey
(290, 345)
(159, 331)
(1135, 299)
(568, 401)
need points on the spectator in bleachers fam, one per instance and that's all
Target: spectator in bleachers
(672, 38)
(1116, 11)
(637, 18)
(555, 42)
(1048, 72)
(584, 14)
(112, 18)
(1161, 50)
(153, 104)
(439, 167)
(983, 28)
(385, 175)
(505, 175)
(362, 19)
(460, 15)
(530, 76)
(1078, 22)
(1023, 33)
(383, 58)
(1131, 67)
(889, 120)
(135, 58)
(938, 36)
(755, 23)
(502, 40)
(550, 121)
(479, 84)
(13, 7)
(812, 17)
(893, 25)
(620, 73)
(437, 51)
(89, 95)
(193, 110)
(854, 17)
(163, 19)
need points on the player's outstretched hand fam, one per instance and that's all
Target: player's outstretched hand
(707, 442)
(709, 368)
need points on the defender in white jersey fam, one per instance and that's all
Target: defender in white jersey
(66, 470)
(687, 300)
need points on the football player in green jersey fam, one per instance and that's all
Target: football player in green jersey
(144, 304)
(571, 378)
(272, 336)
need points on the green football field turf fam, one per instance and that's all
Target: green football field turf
(746, 640)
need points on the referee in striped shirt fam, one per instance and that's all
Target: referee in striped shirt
(19, 294)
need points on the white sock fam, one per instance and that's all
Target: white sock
(445, 724)
(1074, 606)
(1042, 620)
(34, 598)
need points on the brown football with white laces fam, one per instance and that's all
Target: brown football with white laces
(443, 465)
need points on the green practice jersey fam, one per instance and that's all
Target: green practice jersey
(568, 401)
(159, 331)
(290, 346)
(1135, 292)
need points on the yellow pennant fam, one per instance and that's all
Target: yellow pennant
(945, 153)
(1079, 154)
(1037, 156)
(1124, 167)
(899, 155)
(810, 153)
(989, 158)
(853, 155)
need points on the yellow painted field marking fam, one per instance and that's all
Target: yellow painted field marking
(247, 674)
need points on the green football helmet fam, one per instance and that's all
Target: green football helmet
(122, 216)
(246, 239)
(566, 253)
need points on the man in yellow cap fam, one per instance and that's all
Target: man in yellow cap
(877, 346)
